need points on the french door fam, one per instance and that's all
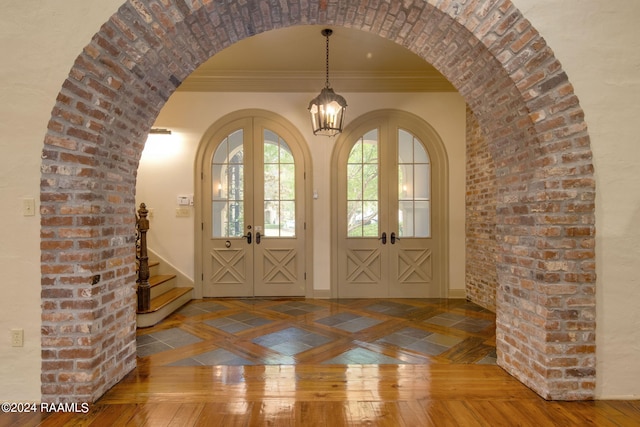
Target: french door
(387, 244)
(253, 218)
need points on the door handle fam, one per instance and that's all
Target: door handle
(394, 238)
(257, 237)
(248, 237)
(383, 238)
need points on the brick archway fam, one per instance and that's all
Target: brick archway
(509, 77)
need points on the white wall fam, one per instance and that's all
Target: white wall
(595, 40)
(162, 178)
(39, 41)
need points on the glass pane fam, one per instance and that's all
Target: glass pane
(271, 153)
(370, 153)
(271, 136)
(370, 219)
(235, 147)
(356, 153)
(227, 187)
(217, 183)
(287, 218)
(422, 182)
(354, 182)
(272, 218)
(405, 182)
(287, 182)
(405, 219)
(371, 136)
(420, 155)
(271, 182)
(222, 153)
(405, 147)
(354, 219)
(227, 219)
(235, 182)
(236, 218)
(285, 153)
(219, 219)
(370, 182)
(422, 220)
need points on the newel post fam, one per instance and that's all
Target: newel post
(144, 290)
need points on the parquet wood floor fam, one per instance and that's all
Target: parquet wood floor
(449, 383)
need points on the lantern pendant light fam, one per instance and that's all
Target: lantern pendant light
(327, 109)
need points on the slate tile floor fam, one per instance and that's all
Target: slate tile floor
(231, 332)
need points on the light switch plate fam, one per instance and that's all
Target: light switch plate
(17, 337)
(183, 212)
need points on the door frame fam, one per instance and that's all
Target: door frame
(440, 167)
(201, 163)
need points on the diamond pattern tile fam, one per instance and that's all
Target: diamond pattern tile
(391, 308)
(213, 358)
(421, 341)
(230, 332)
(296, 308)
(362, 356)
(238, 322)
(291, 341)
(349, 322)
(457, 321)
(164, 340)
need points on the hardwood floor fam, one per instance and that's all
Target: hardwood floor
(227, 371)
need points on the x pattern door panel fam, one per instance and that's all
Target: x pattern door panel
(364, 266)
(414, 266)
(280, 266)
(228, 266)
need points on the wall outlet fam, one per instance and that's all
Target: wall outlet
(28, 206)
(17, 337)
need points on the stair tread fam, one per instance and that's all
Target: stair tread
(166, 298)
(160, 278)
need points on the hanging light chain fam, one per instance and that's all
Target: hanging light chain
(327, 32)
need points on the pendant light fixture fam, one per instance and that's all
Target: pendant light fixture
(327, 109)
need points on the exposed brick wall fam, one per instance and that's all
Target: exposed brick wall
(481, 247)
(523, 101)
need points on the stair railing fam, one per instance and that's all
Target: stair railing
(143, 288)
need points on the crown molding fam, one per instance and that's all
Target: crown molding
(282, 81)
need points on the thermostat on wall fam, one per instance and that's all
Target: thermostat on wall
(185, 200)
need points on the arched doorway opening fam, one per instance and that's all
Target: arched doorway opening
(505, 71)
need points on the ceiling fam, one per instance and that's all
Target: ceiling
(293, 60)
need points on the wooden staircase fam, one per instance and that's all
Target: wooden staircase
(158, 292)
(166, 297)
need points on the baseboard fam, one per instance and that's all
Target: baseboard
(618, 397)
(457, 293)
(322, 293)
(453, 294)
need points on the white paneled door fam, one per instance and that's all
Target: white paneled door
(253, 215)
(386, 241)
